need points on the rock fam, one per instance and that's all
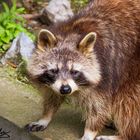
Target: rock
(56, 11)
(26, 46)
(9, 130)
(21, 45)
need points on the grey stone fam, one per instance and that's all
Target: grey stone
(57, 10)
(21, 45)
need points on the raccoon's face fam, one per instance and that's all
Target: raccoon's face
(65, 69)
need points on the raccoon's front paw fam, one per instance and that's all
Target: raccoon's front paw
(107, 138)
(36, 126)
(86, 138)
(102, 138)
(89, 135)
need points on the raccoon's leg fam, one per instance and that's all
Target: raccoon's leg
(93, 126)
(89, 135)
(51, 105)
(108, 138)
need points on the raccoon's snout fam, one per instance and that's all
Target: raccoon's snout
(65, 89)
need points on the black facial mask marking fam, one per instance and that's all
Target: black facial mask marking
(48, 77)
(79, 78)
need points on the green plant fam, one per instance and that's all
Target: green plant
(77, 4)
(11, 24)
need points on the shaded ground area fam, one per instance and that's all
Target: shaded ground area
(21, 104)
(10, 131)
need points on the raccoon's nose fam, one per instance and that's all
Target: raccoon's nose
(65, 89)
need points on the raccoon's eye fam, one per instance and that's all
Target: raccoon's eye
(75, 73)
(48, 77)
(53, 71)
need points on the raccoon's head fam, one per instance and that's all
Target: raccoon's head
(65, 65)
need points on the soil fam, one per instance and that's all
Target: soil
(21, 104)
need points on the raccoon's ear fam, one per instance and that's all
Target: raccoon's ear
(45, 39)
(87, 43)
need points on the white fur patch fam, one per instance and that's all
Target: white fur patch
(69, 65)
(72, 84)
(51, 65)
(60, 65)
(92, 73)
(57, 85)
(108, 138)
(42, 122)
(77, 66)
(47, 139)
(89, 135)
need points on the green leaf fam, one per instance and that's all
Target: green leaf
(20, 10)
(2, 30)
(16, 33)
(9, 34)
(5, 22)
(14, 6)
(10, 25)
(5, 47)
(5, 39)
(1, 43)
(6, 8)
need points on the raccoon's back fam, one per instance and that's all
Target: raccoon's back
(116, 23)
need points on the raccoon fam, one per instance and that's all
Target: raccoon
(94, 57)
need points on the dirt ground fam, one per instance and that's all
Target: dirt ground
(21, 104)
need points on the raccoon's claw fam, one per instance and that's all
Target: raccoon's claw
(37, 126)
(34, 126)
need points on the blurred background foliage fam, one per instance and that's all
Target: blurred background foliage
(11, 24)
(78, 4)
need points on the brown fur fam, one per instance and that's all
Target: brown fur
(117, 49)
